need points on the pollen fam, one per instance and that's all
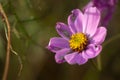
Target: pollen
(78, 42)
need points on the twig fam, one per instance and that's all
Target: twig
(19, 59)
(14, 52)
(8, 43)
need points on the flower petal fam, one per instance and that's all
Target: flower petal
(91, 20)
(92, 51)
(78, 21)
(63, 30)
(74, 21)
(90, 4)
(100, 35)
(59, 56)
(57, 43)
(80, 59)
(71, 24)
(71, 58)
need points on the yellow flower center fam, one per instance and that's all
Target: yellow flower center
(78, 42)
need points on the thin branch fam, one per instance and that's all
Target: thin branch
(5, 74)
(19, 59)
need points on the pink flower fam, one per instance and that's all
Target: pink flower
(81, 39)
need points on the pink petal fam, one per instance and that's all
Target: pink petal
(57, 43)
(59, 56)
(90, 4)
(80, 59)
(71, 24)
(78, 21)
(92, 51)
(75, 21)
(100, 35)
(71, 58)
(63, 30)
(91, 20)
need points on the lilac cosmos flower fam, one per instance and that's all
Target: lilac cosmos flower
(106, 7)
(81, 39)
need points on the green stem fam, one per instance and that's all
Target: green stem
(99, 63)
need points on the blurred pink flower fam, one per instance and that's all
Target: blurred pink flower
(106, 7)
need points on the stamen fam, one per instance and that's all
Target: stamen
(78, 42)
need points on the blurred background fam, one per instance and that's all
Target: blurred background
(33, 24)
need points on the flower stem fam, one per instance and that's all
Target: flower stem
(99, 64)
